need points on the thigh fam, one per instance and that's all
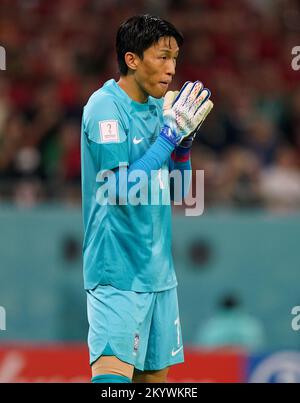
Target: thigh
(165, 347)
(119, 323)
(112, 365)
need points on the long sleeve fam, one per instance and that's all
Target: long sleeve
(152, 160)
(180, 161)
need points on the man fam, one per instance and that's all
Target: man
(134, 332)
(231, 326)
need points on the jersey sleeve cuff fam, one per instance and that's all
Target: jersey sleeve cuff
(181, 154)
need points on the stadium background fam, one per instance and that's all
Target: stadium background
(247, 241)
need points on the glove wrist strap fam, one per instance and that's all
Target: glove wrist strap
(181, 154)
(168, 134)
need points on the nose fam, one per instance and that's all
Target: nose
(171, 66)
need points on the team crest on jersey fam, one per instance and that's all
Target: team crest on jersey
(109, 131)
(136, 343)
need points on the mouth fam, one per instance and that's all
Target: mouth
(164, 84)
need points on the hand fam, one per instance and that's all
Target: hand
(184, 112)
(188, 141)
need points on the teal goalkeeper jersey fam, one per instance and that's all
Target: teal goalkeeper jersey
(127, 246)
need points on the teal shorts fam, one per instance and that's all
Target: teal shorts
(142, 329)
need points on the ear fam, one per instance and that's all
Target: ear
(132, 60)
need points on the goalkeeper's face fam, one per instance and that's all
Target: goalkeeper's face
(155, 71)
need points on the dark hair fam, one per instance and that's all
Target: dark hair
(139, 33)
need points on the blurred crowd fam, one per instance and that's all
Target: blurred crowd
(60, 51)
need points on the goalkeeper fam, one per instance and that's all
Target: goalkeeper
(134, 326)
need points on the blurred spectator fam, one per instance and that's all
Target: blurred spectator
(239, 179)
(231, 326)
(28, 193)
(241, 51)
(280, 183)
(262, 139)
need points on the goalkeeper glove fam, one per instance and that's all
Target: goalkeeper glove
(184, 112)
